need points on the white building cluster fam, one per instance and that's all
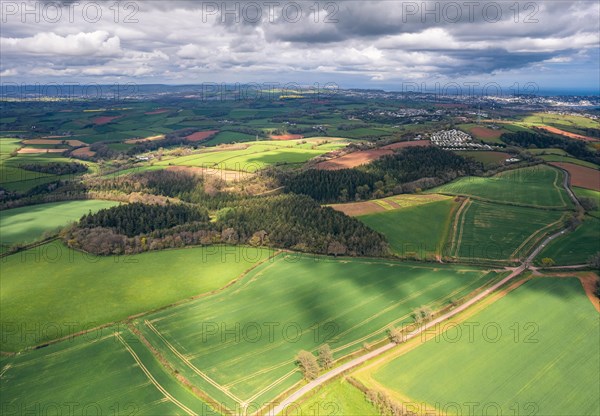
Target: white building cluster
(457, 140)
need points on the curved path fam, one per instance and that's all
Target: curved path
(360, 360)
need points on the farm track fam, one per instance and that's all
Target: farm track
(525, 265)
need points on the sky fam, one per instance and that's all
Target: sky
(393, 45)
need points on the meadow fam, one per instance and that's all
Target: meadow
(533, 359)
(575, 247)
(591, 194)
(107, 372)
(417, 231)
(254, 156)
(239, 344)
(568, 159)
(487, 158)
(499, 232)
(27, 224)
(336, 398)
(59, 291)
(537, 186)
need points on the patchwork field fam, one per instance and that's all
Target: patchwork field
(60, 291)
(385, 204)
(254, 156)
(239, 345)
(354, 159)
(533, 359)
(484, 230)
(537, 186)
(577, 246)
(416, 232)
(485, 134)
(568, 159)
(107, 372)
(27, 224)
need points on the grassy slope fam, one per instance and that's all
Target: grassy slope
(576, 247)
(415, 231)
(589, 193)
(26, 224)
(52, 285)
(558, 373)
(355, 303)
(534, 186)
(96, 372)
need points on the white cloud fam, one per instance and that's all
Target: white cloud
(98, 43)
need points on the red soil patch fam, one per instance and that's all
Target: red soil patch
(104, 120)
(411, 143)
(83, 151)
(568, 134)
(201, 135)
(287, 137)
(485, 133)
(352, 160)
(354, 209)
(159, 111)
(581, 176)
(29, 150)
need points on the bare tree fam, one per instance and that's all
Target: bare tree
(308, 364)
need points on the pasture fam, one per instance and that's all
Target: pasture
(336, 398)
(239, 345)
(575, 247)
(537, 186)
(415, 232)
(591, 194)
(107, 372)
(61, 291)
(485, 231)
(487, 158)
(251, 157)
(569, 160)
(531, 358)
(27, 224)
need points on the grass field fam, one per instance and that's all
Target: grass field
(251, 157)
(591, 194)
(576, 247)
(569, 159)
(533, 359)
(499, 232)
(225, 137)
(537, 186)
(417, 231)
(239, 345)
(336, 399)
(60, 291)
(27, 224)
(487, 158)
(94, 374)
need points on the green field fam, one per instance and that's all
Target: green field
(254, 156)
(591, 194)
(577, 246)
(52, 285)
(537, 186)
(568, 159)
(499, 232)
(27, 224)
(416, 232)
(539, 355)
(337, 398)
(99, 373)
(487, 158)
(224, 345)
(225, 137)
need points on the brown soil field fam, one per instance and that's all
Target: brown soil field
(354, 209)
(581, 176)
(159, 111)
(73, 143)
(104, 120)
(287, 137)
(352, 160)
(226, 175)
(201, 135)
(485, 133)
(411, 143)
(567, 134)
(145, 139)
(83, 151)
(29, 150)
